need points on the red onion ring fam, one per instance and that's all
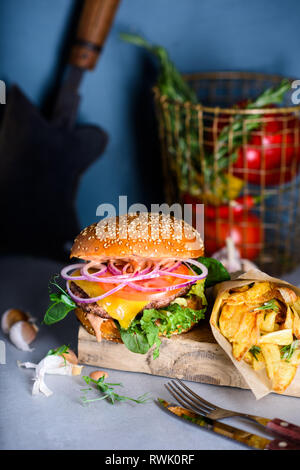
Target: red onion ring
(149, 269)
(65, 275)
(192, 279)
(181, 276)
(90, 300)
(155, 289)
(130, 279)
(195, 277)
(199, 266)
(64, 272)
(115, 279)
(172, 267)
(116, 271)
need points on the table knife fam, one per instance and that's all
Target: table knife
(239, 435)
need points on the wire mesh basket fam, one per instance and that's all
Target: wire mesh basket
(242, 163)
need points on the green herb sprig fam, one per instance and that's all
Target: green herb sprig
(107, 389)
(170, 81)
(60, 304)
(216, 271)
(286, 352)
(254, 351)
(270, 305)
(215, 166)
(59, 351)
(237, 128)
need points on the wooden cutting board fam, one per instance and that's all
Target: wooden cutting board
(191, 356)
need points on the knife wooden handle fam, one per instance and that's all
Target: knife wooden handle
(283, 428)
(94, 25)
(281, 444)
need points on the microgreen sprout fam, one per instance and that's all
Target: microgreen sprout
(254, 351)
(107, 391)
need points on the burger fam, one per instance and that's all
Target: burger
(139, 276)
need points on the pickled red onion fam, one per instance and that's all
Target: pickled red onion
(171, 268)
(64, 272)
(90, 300)
(164, 289)
(115, 279)
(130, 279)
(65, 275)
(118, 272)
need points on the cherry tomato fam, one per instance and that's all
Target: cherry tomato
(237, 207)
(213, 130)
(265, 153)
(246, 235)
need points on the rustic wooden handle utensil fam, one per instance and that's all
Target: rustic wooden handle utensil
(94, 24)
(282, 427)
(280, 444)
(223, 429)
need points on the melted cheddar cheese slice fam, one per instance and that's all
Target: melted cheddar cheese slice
(122, 310)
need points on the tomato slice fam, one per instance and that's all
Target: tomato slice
(130, 293)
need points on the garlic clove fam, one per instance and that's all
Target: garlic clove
(22, 334)
(53, 365)
(12, 316)
(97, 374)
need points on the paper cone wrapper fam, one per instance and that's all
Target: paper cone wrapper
(257, 381)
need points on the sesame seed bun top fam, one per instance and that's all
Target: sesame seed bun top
(145, 234)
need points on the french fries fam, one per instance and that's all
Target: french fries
(283, 376)
(266, 321)
(230, 320)
(262, 322)
(296, 324)
(281, 337)
(271, 354)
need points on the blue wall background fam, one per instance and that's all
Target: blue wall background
(256, 35)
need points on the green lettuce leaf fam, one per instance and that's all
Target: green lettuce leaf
(144, 332)
(198, 290)
(135, 338)
(216, 271)
(60, 304)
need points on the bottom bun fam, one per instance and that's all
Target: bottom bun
(108, 328)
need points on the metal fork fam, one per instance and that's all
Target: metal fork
(185, 396)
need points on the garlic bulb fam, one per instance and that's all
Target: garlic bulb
(52, 364)
(22, 333)
(12, 316)
(20, 327)
(230, 257)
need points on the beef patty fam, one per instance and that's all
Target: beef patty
(98, 310)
